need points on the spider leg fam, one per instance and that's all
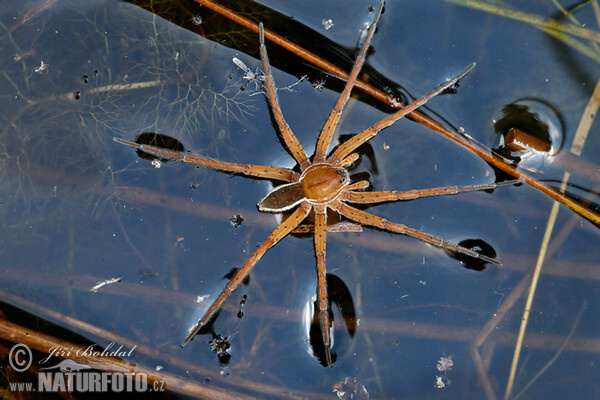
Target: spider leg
(289, 138)
(393, 195)
(351, 144)
(329, 128)
(279, 233)
(257, 171)
(320, 244)
(369, 219)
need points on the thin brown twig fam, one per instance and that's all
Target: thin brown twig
(45, 343)
(472, 146)
(81, 326)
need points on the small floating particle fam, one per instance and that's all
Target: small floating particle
(196, 20)
(236, 220)
(106, 282)
(445, 364)
(319, 85)
(41, 68)
(201, 298)
(19, 57)
(439, 382)
(240, 313)
(350, 388)
(220, 346)
(327, 23)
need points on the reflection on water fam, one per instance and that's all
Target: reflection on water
(157, 140)
(342, 315)
(479, 246)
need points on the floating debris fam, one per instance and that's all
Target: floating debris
(236, 220)
(439, 382)
(319, 85)
(350, 389)
(327, 24)
(240, 313)
(249, 75)
(106, 282)
(220, 346)
(43, 68)
(19, 57)
(196, 20)
(201, 298)
(445, 364)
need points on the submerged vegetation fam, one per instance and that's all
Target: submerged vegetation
(67, 89)
(99, 242)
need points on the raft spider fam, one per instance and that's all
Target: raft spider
(323, 183)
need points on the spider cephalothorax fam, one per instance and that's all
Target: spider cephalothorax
(319, 184)
(322, 184)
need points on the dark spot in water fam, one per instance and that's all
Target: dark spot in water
(85, 78)
(77, 95)
(452, 89)
(220, 347)
(157, 140)
(236, 220)
(478, 246)
(240, 313)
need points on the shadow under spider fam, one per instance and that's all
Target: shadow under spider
(323, 183)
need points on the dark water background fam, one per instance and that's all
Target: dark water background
(77, 208)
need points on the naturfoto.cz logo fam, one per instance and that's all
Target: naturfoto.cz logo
(71, 376)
